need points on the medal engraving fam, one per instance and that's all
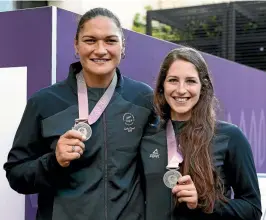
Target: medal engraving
(171, 177)
(84, 129)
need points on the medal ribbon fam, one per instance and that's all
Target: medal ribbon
(83, 102)
(174, 155)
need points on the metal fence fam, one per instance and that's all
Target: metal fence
(235, 30)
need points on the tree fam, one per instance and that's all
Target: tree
(161, 31)
(208, 27)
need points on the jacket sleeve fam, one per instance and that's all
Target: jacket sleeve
(241, 174)
(31, 165)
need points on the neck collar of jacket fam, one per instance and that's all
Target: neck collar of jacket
(178, 125)
(75, 68)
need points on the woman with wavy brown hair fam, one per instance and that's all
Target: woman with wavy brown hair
(193, 162)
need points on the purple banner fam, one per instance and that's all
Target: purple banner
(240, 90)
(66, 30)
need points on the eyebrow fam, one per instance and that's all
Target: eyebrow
(189, 77)
(90, 36)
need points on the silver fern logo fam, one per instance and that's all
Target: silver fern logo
(129, 120)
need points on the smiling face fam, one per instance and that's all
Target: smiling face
(99, 46)
(182, 89)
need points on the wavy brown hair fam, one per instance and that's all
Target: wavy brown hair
(196, 136)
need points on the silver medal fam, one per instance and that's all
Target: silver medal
(84, 129)
(170, 178)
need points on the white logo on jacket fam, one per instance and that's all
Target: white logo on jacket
(129, 120)
(155, 154)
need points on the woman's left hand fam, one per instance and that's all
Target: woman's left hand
(185, 191)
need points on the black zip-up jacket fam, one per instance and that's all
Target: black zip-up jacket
(233, 159)
(104, 184)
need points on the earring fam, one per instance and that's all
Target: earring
(123, 54)
(76, 56)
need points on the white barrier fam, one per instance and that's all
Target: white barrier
(13, 90)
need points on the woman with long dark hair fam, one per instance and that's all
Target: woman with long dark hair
(191, 160)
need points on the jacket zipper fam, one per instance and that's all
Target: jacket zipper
(171, 206)
(105, 167)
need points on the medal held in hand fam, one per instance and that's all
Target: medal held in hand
(84, 128)
(171, 177)
(83, 124)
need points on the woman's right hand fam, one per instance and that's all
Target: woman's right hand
(186, 191)
(69, 147)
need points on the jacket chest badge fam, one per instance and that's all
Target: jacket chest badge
(128, 120)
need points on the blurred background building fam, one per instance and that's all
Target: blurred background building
(234, 30)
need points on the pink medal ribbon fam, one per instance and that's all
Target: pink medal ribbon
(175, 157)
(82, 124)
